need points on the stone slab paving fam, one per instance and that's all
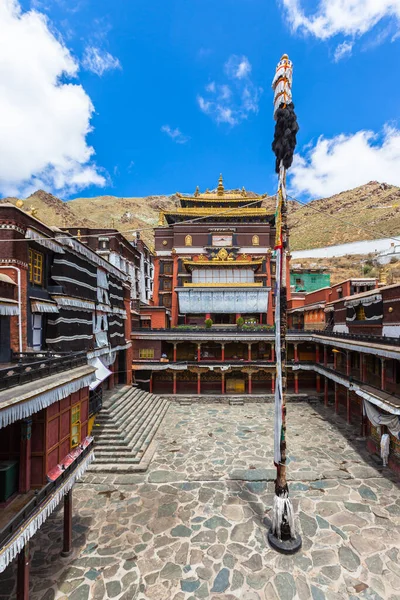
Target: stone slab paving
(193, 527)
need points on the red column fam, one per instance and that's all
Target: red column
(156, 280)
(334, 361)
(273, 352)
(174, 307)
(325, 356)
(250, 384)
(198, 352)
(383, 374)
(198, 384)
(222, 383)
(151, 383)
(208, 316)
(67, 540)
(174, 383)
(296, 352)
(273, 383)
(222, 352)
(174, 356)
(270, 313)
(25, 456)
(348, 368)
(238, 315)
(318, 384)
(317, 353)
(361, 367)
(336, 399)
(249, 352)
(348, 406)
(23, 573)
(326, 392)
(296, 383)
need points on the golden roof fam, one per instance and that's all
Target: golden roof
(221, 195)
(204, 212)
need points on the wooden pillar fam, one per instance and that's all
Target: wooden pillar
(383, 374)
(273, 383)
(318, 383)
(296, 383)
(174, 356)
(23, 564)
(317, 353)
(249, 351)
(325, 356)
(326, 391)
(198, 384)
(222, 352)
(348, 367)
(67, 540)
(335, 360)
(208, 316)
(273, 352)
(336, 400)
(25, 456)
(174, 383)
(222, 382)
(362, 367)
(250, 384)
(151, 383)
(348, 412)
(198, 352)
(296, 353)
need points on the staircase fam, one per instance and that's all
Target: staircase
(125, 429)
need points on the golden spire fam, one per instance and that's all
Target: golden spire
(161, 219)
(243, 191)
(197, 192)
(79, 234)
(220, 188)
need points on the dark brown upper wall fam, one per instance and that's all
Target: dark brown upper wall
(117, 242)
(201, 234)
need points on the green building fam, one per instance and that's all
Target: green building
(309, 280)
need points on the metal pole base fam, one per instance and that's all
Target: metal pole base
(290, 546)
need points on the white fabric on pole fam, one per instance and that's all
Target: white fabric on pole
(377, 419)
(278, 378)
(101, 373)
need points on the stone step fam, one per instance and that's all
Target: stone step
(117, 393)
(144, 418)
(149, 435)
(142, 408)
(129, 396)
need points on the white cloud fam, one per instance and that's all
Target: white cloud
(342, 50)
(231, 103)
(44, 120)
(99, 61)
(237, 67)
(349, 17)
(175, 134)
(347, 161)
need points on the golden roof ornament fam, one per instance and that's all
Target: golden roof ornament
(197, 192)
(33, 211)
(220, 188)
(243, 191)
(161, 219)
(19, 204)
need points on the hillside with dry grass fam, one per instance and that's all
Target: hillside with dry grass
(370, 211)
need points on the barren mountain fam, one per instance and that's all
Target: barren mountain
(368, 212)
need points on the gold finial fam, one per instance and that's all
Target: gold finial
(161, 219)
(285, 57)
(79, 234)
(33, 211)
(19, 204)
(197, 192)
(243, 191)
(220, 188)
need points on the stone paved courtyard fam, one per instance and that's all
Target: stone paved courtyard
(192, 526)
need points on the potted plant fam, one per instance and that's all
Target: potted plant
(240, 322)
(208, 323)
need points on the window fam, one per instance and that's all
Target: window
(146, 353)
(75, 425)
(360, 313)
(35, 267)
(221, 240)
(168, 268)
(167, 301)
(167, 285)
(188, 240)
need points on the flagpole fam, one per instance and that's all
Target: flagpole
(282, 535)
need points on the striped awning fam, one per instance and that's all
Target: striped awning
(39, 305)
(8, 307)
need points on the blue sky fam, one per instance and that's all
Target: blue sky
(140, 97)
